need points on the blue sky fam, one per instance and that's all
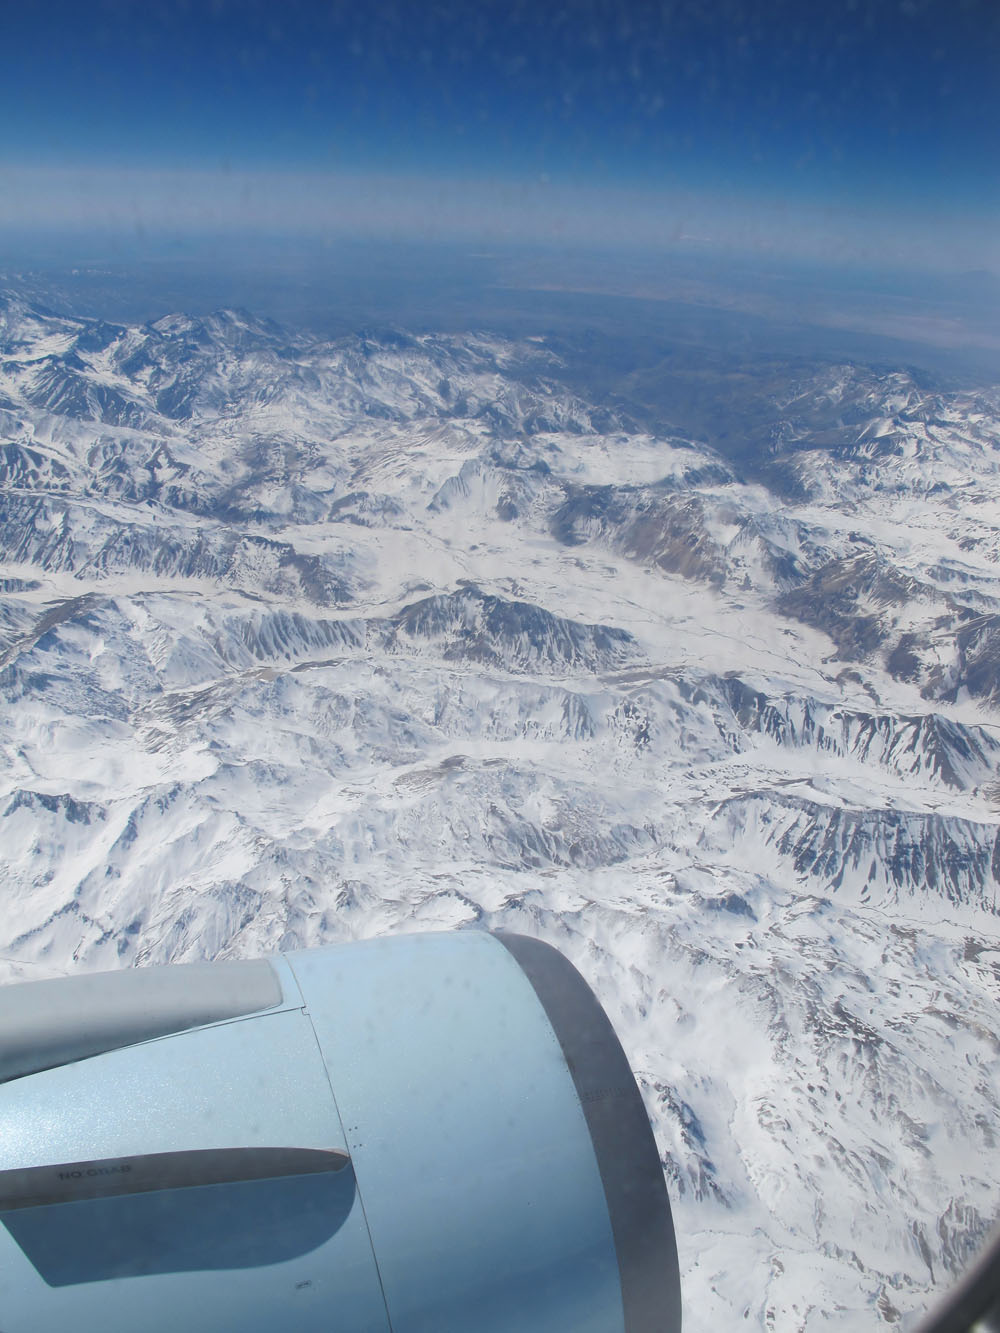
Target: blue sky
(834, 120)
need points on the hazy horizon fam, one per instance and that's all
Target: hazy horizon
(859, 135)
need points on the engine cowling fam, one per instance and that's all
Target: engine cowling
(427, 1132)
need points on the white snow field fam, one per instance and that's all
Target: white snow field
(303, 642)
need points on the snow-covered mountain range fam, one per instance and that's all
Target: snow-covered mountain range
(303, 641)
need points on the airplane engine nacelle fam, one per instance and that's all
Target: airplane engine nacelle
(424, 1134)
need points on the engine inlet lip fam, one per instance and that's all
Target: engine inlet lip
(626, 1152)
